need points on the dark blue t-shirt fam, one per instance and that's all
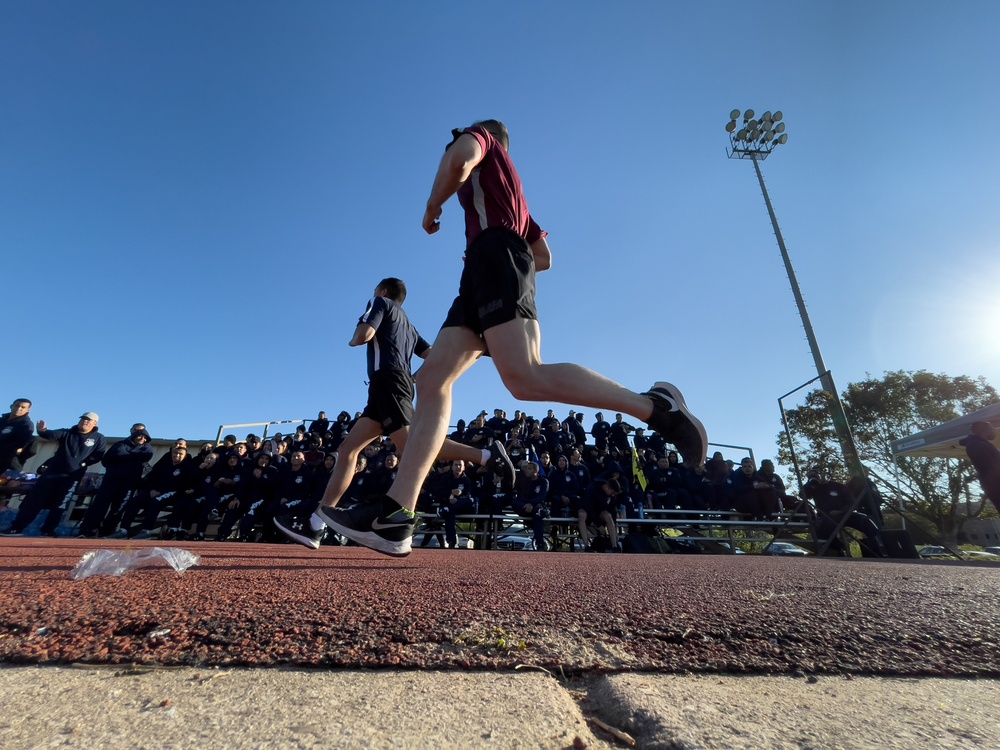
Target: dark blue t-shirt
(395, 341)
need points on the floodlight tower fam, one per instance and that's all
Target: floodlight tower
(755, 140)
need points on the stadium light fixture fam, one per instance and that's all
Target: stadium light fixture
(756, 139)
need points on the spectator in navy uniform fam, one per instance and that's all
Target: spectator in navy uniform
(665, 487)
(982, 452)
(618, 435)
(160, 487)
(123, 463)
(320, 425)
(657, 443)
(565, 487)
(574, 426)
(79, 447)
(499, 424)
(195, 501)
(479, 435)
(322, 474)
(639, 441)
(601, 432)
(16, 431)
(598, 506)
(259, 487)
(226, 447)
(530, 501)
(339, 430)
(766, 473)
(459, 435)
(458, 500)
(751, 495)
(833, 500)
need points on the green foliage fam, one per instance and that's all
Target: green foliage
(881, 410)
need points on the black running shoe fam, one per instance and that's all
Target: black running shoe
(501, 465)
(672, 419)
(12, 532)
(381, 525)
(300, 530)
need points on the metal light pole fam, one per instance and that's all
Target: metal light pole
(755, 140)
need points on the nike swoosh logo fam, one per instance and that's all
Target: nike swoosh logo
(376, 526)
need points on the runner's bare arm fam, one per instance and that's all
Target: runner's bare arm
(456, 166)
(542, 254)
(362, 335)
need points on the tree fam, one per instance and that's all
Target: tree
(942, 491)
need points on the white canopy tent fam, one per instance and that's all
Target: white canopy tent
(942, 441)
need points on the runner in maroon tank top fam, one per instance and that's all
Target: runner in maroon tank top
(495, 312)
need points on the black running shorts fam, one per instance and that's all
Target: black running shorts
(498, 282)
(390, 400)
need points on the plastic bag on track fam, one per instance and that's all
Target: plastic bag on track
(118, 562)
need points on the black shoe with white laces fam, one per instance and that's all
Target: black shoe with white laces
(679, 426)
(501, 465)
(381, 525)
(300, 530)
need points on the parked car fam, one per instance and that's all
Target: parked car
(992, 550)
(514, 542)
(984, 556)
(933, 551)
(786, 549)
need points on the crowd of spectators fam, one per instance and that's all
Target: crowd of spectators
(596, 476)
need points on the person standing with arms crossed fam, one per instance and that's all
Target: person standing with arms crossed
(495, 312)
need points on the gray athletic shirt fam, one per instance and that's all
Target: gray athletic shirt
(395, 341)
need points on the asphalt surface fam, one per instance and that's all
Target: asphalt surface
(578, 624)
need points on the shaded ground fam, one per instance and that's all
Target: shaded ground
(260, 605)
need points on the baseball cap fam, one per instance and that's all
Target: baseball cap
(89, 415)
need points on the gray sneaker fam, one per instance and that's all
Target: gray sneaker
(672, 419)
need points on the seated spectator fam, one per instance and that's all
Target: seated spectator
(295, 493)
(228, 443)
(458, 501)
(719, 473)
(564, 487)
(259, 488)
(767, 474)
(159, 489)
(322, 475)
(499, 424)
(530, 501)
(339, 430)
(597, 506)
(459, 435)
(666, 487)
(574, 427)
(194, 501)
(640, 442)
(479, 435)
(78, 447)
(751, 495)
(657, 444)
(833, 500)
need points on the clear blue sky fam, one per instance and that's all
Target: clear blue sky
(196, 199)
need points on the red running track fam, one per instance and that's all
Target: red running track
(261, 605)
